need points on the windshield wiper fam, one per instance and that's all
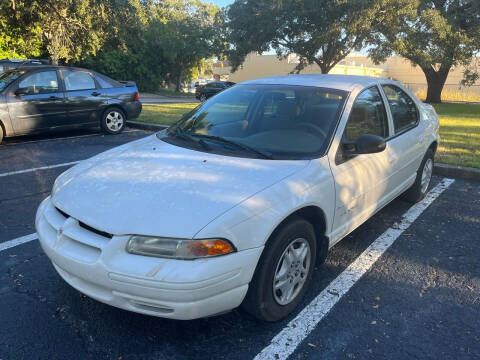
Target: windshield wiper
(263, 154)
(179, 133)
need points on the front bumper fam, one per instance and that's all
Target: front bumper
(99, 267)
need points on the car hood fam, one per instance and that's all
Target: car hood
(150, 187)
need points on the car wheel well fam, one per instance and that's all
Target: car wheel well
(434, 146)
(316, 217)
(3, 128)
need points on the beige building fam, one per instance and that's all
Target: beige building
(256, 66)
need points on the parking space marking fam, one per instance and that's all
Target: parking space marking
(18, 241)
(287, 340)
(62, 138)
(39, 168)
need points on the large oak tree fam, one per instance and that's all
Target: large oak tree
(321, 32)
(440, 34)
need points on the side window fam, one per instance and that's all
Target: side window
(40, 83)
(403, 108)
(104, 84)
(368, 116)
(78, 80)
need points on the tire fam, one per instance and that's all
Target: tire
(265, 299)
(113, 121)
(422, 182)
(203, 98)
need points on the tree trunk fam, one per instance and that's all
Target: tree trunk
(435, 83)
(178, 83)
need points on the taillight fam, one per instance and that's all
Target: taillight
(137, 96)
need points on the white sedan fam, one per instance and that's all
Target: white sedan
(235, 203)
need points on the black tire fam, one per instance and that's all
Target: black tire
(418, 190)
(260, 301)
(111, 118)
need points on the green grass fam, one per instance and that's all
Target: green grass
(460, 134)
(459, 129)
(164, 114)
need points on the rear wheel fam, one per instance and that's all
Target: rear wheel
(422, 182)
(203, 98)
(283, 272)
(113, 121)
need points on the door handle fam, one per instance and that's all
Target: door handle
(95, 93)
(53, 98)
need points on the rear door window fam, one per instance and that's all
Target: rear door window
(78, 80)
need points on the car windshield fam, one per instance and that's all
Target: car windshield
(270, 121)
(7, 77)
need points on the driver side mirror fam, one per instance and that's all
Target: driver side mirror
(365, 144)
(21, 91)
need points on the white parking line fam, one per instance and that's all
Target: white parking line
(61, 138)
(287, 340)
(39, 168)
(18, 241)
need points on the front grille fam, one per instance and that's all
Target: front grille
(87, 227)
(72, 237)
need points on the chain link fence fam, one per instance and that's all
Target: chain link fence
(451, 92)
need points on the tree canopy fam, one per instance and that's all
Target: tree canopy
(321, 32)
(439, 35)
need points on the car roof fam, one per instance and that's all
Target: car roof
(340, 82)
(60, 67)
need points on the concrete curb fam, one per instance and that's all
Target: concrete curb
(459, 172)
(145, 125)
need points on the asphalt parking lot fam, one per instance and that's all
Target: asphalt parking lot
(419, 300)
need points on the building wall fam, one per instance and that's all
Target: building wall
(256, 66)
(400, 69)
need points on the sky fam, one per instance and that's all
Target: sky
(220, 3)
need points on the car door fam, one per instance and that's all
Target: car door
(408, 142)
(37, 102)
(84, 98)
(361, 181)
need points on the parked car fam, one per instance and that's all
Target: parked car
(203, 92)
(8, 64)
(235, 203)
(43, 98)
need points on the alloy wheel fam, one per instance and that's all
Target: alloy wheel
(291, 271)
(114, 121)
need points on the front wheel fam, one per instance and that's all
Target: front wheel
(113, 121)
(422, 182)
(203, 98)
(283, 272)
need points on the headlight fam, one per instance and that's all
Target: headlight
(178, 248)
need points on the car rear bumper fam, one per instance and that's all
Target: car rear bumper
(133, 109)
(177, 289)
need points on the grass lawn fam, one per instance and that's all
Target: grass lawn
(460, 134)
(459, 129)
(164, 114)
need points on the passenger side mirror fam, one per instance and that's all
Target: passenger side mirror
(365, 144)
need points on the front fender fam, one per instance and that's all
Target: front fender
(250, 223)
